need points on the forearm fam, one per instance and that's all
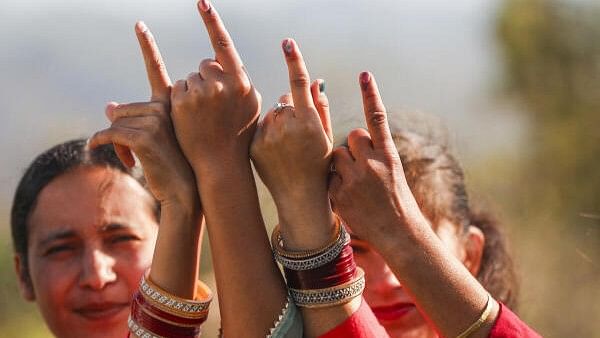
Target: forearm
(443, 289)
(242, 254)
(307, 222)
(177, 251)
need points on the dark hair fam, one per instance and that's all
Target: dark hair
(436, 179)
(46, 167)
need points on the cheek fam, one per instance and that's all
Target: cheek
(132, 263)
(53, 283)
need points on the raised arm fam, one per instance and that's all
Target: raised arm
(371, 194)
(215, 112)
(292, 154)
(146, 129)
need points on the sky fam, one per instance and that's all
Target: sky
(61, 62)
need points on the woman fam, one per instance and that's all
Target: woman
(419, 252)
(85, 230)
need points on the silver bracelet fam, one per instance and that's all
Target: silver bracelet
(317, 260)
(138, 330)
(340, 294)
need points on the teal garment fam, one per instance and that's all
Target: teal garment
(290, 325)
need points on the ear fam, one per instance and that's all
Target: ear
(25, 286)
(473, 249)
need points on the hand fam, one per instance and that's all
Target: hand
(292, 147)
(145, 128)
(369, 190)
(215, 111)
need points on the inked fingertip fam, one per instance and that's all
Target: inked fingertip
(288, 46)
(364, 78)
(204, 5)
(321, 86)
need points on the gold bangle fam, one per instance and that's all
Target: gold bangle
(278, 245)
(332, 296)
(186, 308)
(484, 316)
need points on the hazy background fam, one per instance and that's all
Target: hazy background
(517, 83)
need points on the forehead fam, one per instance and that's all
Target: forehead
(87, 198)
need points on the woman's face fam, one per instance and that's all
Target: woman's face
(91, 236)
(390, 303)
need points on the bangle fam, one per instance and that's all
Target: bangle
(484, 316)
(277, 243)
(339, 271)
(318, 259)
(161, 326)
(172, 304)
(340, 294)
(140, 302)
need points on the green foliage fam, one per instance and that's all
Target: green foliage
(552, 60)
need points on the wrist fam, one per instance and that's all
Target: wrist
(306, 221)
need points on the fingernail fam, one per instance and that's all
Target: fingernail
(322, 86)
(110, 106)
(288, 46)
(141, 27)
(365, 78)
(204, 5)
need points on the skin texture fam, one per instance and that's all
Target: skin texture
(91, 237)
(384, 293)
(215, 112)
(370, 193)
(145, 128)
(292, 154)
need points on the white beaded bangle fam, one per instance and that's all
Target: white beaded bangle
(340, 294)
(173, 304)
(316, 261)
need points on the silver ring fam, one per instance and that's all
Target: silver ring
(279, 106)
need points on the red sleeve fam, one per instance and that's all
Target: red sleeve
(508, 325)
(362, 324)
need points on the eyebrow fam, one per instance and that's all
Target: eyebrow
(58, 235)
(114, 226)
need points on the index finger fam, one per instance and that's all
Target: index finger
(298, 74)
(375, 113)
(225, 52)
(160, 84)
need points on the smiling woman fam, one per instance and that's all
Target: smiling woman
(84, 230)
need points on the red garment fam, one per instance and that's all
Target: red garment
(364, 324)
(508, 325)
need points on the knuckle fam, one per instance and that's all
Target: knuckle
(242, 85)
(224, 42)
(301, 81)
(378, 118)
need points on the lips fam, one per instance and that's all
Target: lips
(101, 311)
(393, 312)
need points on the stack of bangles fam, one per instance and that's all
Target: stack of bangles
(155, 313)
(322, 277)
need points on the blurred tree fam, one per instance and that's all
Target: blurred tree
(552, 58)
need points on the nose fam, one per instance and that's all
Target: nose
(97, 270)
(383, 284)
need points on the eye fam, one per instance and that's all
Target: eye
(123, 238)
(56, 249)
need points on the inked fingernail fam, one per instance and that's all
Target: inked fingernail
(364, 78)
(204, 5)
(288, 46)
(322, 86)
(141, 27)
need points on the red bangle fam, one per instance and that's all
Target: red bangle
(337, 272)
(160, 326)
(184, 321)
